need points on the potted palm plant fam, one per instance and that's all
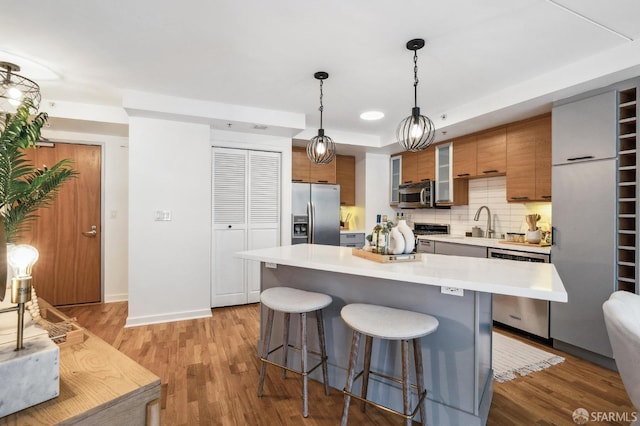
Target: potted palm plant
(24, 188)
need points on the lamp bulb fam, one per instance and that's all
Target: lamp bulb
(22, 258)
(321, 148)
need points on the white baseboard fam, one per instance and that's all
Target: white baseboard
(118, 297)
(169, 317)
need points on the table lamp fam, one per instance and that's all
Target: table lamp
(21, 258)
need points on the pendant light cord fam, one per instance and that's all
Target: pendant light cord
(415, 77)
(321, 107)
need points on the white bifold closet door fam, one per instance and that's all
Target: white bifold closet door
(245, 216)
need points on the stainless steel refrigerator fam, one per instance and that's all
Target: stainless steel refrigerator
(315, 210)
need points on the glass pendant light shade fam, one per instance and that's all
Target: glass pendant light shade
(417, 131)
(15, 89)
(321, 149)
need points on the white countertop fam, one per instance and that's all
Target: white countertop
(351, 231)
(526, 279)
(486, 242)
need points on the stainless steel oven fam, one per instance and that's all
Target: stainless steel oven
(530, 315)
(416, 195)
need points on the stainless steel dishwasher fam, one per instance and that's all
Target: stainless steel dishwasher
(530, 315)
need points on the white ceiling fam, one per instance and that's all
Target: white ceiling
(485, 62)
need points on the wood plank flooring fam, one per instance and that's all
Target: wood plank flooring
(209, 372)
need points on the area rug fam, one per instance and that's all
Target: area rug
(511, 356)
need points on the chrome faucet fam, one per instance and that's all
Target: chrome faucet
(489, 232)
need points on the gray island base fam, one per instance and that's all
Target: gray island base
(456, 358)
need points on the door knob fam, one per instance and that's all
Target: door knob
(91, 233)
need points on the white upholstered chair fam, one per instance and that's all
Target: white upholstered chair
(622, 318)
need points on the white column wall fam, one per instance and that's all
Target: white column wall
(376, 177)
(169, 261)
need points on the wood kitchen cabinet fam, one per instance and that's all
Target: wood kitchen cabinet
(409, 167)
(303, 170)
(491, 159)
(427, 164)
(346, 178)
(464, 157)
(529, 160)
(417, 166)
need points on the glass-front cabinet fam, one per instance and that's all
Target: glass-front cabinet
(395, 179)
(449, 191)
(444, 180)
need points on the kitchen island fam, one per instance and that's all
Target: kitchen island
(456, 290)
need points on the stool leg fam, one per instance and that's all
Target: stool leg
(305, 376)
(417, 355)
(265, 348)
(285, 342)
(351, 373)
(405, 380)
(365, 372)
(323, 350)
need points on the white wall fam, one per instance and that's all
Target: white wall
(376, 178)
(169, 267)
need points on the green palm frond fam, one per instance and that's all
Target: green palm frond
(23, 187)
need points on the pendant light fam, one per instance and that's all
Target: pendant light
(321, 149)
(415, 132)
(15, 89)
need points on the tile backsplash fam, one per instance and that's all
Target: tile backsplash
(490, 192)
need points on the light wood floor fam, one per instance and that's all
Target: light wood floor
(209, 372)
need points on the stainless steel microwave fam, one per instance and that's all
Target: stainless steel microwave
(417, 195)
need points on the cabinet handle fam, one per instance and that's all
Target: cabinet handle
(490, 171)
(463, 174)
(296, 180)
(322, 181)
(586, 157)
(408, 181)
(546, 197)
(425, 180)
(519, 198)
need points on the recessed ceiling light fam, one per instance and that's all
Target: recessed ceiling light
(372, 115)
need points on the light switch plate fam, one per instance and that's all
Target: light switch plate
(163, 215)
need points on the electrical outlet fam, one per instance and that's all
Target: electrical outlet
(453, 291)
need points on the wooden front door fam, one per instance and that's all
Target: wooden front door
(68, 233)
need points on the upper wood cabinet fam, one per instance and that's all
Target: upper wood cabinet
(303, 170)
(529, 160)
(427, 164)
(464, 157)
(346, 178)
(409, 167)
(491, 156)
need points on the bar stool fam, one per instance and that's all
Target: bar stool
(390, 324)
(294, 301)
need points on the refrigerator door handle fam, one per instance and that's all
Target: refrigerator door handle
(311, 224)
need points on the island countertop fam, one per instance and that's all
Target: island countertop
(497, 276)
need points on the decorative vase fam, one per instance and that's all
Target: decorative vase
(533, 237)
(407, 233)
(397, 241)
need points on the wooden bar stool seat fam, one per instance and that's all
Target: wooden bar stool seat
(382, 322)
(294, 301)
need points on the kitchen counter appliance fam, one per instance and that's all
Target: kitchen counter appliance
(426, 246)
(418, 195)
(530, 315)
(315, 211)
